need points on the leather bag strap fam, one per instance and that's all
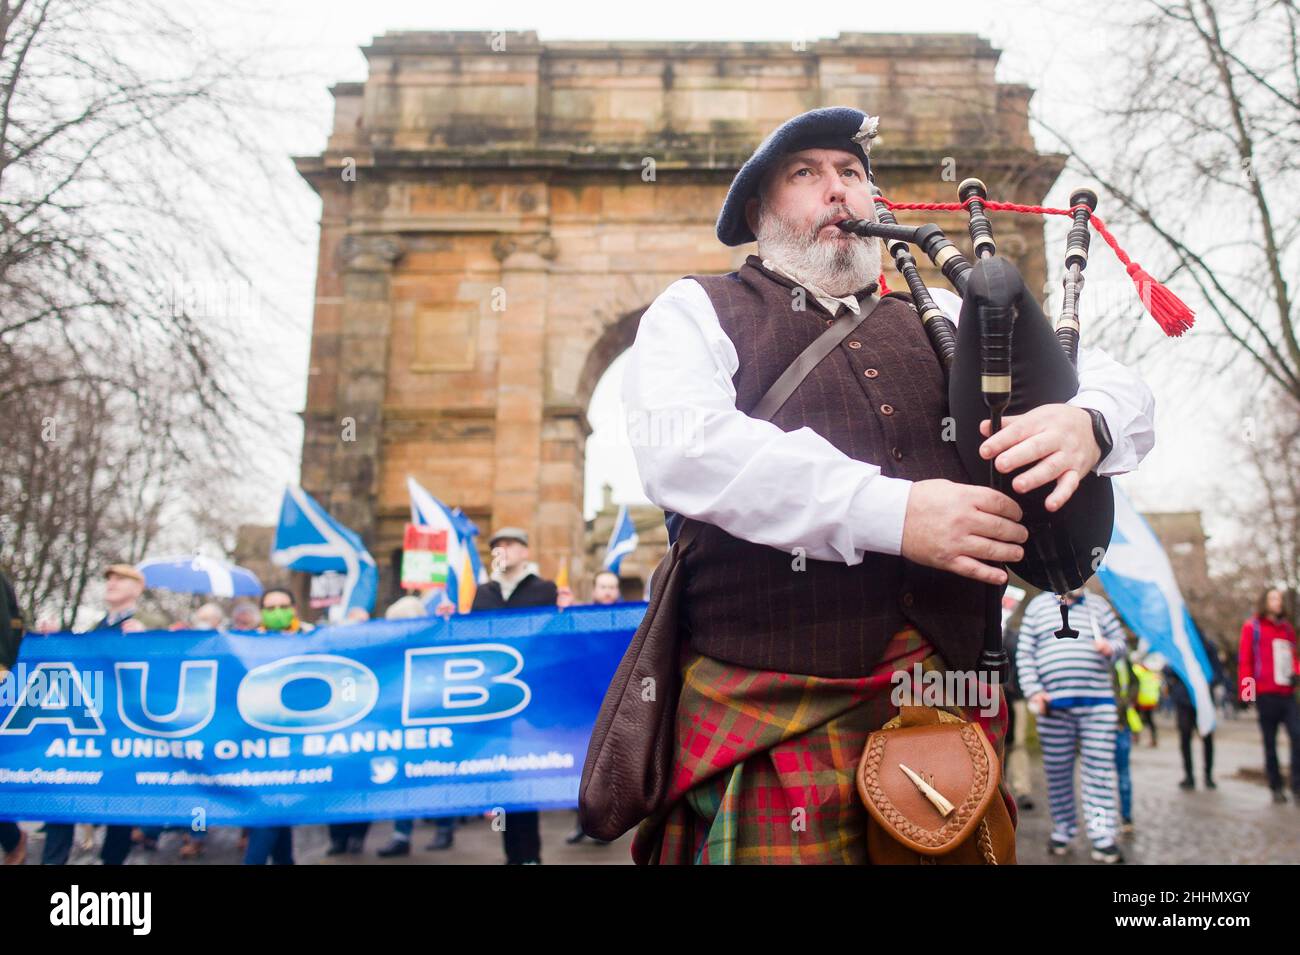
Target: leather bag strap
(810, 358)
(790, 379)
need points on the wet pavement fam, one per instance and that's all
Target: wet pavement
(1235, 824)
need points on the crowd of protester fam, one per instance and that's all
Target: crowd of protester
(515, 582)
(1092, 699)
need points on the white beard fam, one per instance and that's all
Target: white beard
(838, 265)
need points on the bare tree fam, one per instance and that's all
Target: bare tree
(1197, 143)
(1270, 454)
(1259, 547)
(124, 135)
(87, 483)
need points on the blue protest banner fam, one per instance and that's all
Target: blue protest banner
(385, 719)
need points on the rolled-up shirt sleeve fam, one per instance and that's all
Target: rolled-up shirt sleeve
(700, 456)
(1105, 385)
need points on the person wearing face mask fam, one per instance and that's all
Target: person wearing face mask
(515, 583)
(280, 613)
(275, 843)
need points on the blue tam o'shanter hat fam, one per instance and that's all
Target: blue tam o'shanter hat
(832, 127)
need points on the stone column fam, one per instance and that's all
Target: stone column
(366, 263)
(521, 365)
(560, 528)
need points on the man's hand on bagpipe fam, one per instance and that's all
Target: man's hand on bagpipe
(1057, 439)
(964, 529)
(1008, 369)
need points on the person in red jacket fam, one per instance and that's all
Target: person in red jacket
(1267, 670)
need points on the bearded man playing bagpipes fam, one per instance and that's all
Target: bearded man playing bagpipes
(839, 520)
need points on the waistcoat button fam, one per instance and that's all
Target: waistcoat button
(855, 344)
(908, 600)
(886, 409)
(871, 373)
(898, 455)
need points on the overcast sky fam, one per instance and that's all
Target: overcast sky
(1046, 45)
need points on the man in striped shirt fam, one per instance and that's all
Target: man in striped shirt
(1069, 687)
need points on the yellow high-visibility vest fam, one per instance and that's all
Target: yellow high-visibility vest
(1148, 685)
(1130, 712)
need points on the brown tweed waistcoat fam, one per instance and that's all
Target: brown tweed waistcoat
(880, 397)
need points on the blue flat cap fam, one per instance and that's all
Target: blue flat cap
(832, 127)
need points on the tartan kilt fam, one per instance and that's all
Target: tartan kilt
(766, 762)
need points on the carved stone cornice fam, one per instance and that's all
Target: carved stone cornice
(369, 253)
(540, 245)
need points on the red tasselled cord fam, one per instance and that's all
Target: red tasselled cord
(1169, 311)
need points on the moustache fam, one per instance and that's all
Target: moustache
(842, 212)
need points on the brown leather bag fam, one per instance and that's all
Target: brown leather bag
(930, 782)
(625, 776)
(633, 744)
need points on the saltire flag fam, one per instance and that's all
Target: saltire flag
(464, 567)
(307, 539)
(468, 530)
(1140, 582)
(622, 540)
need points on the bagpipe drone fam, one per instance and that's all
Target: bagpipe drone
(1004, 358)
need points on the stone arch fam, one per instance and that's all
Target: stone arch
(616, 339)
(613, 341)
(515, 207)
(584, 337)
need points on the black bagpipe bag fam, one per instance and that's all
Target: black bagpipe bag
(1064, 548)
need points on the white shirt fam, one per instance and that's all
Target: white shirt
(700, 456)
(828, 301)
